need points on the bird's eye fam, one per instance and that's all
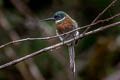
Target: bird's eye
(56, 16)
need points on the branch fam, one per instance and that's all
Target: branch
(57, 45)
(100, 14)
(47, 38)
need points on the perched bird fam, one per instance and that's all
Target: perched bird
(64, 23)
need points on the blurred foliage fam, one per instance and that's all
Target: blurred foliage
(97, 56)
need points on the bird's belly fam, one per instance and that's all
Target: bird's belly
(65, 30)
(66, 26)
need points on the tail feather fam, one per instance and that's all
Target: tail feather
(72, 58)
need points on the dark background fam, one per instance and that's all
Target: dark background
(97, 56)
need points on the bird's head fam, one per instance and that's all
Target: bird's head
(58, 16)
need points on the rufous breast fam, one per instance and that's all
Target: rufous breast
(64, 25)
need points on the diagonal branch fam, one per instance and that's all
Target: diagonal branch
(100, 14)
(47, 38)
(57, 45)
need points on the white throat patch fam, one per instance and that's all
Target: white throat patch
(57, 21)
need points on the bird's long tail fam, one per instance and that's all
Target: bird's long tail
(72, 58)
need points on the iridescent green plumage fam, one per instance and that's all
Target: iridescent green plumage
(64, 23)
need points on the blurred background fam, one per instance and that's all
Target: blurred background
(97, 56)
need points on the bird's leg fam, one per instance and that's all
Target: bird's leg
(77, 34)
(74, 37)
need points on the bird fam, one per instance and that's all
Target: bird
(64, 23)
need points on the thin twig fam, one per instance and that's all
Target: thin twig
(57, 45)
(47, 38)
(100, 14)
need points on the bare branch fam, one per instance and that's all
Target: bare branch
(57, 45)
(109, 6)
(47, 38)
(100, 14)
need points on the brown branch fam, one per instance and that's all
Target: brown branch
(110, 5)
(47, 38)
(100, 14)
(57, 45)
(11, 53)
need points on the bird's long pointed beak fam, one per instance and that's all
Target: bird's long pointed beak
(49, 19)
